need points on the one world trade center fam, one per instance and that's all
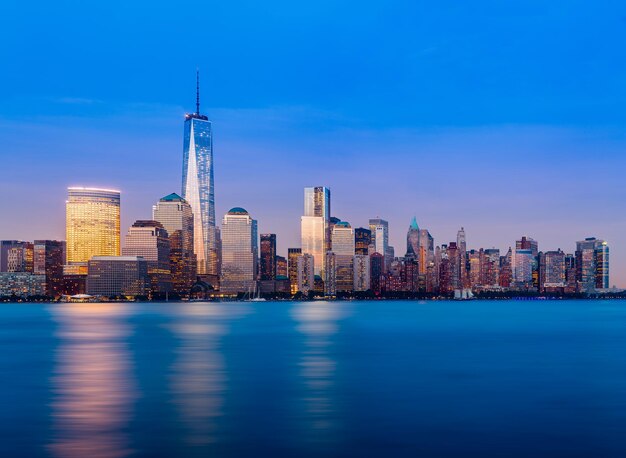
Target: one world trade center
(198, 188)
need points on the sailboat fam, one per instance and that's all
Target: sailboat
(257, 295)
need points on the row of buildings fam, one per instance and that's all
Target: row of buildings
(181, 250)
(158, 257)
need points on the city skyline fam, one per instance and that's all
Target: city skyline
(510, 146)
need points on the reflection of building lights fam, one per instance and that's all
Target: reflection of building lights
(92, 394)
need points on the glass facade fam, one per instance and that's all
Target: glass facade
(315, 225)
(118, 276)
(292, 266)
(49, 257)
(380, 238)
(175, 214)
(268, 256)
(198, 190)
(150, 240)
(92, 224)
(239, 252)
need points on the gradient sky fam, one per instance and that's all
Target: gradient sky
(506, 118)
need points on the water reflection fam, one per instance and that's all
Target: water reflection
(92, 390)
(319, 322)
(199, 379)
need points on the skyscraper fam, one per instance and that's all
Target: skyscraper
(175, 214)
(361, 272)
(462, 259)
(362, 240)
(306, 274)
(413, 240)
(592, 264)
(315, 225)
(292, 266)
(150, 240)
(268, 257)
(92, 224)
(239, 252)
(426, 251)
(48, 260)
(198, 188)
(343, 248)
(380, 239)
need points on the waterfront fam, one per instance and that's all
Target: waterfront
(386, 378)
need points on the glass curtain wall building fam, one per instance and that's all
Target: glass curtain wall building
(198, 189)
(239, 252)
(315, 226)
(92, 224)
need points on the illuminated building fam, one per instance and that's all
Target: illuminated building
(343, 248)
(377, 269)
(426, 255)
(525, 265)
(330, 274)
(48, 260)
(552, 275)
(150, 240)
(361, 264)
(506, 269)
(292, 266)
(176, 216)
(281, 267)
(20, 257)
(380, 239)
(362, 240)
(592, 264)
(306, 273)
(315, 225)
(22, 284)
(92, 224)
(118, 276)
(268, 257)
(461, 244)
(490, 268)
(413, 240)
(198, 189)
(239, 252)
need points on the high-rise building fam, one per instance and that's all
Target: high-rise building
(592, 264)
(361, 272)
(48, 260)
(426, 251)
(118, 276)
(292, 266)
(527, 250)
(19, 257)
(506, 269)
(462, 258)
(239, 252)
(268, 257)
(362, 240)
(490, 268)
(150, 240)
(176, 216)
(198, 189)
(413, 240)
(377, 266)
(315, 225)
(306, 273)
(92, 224)
(281, 267)
(330, 274)
(343, 248)
(380, 239)
(22, 284)
(552, 274)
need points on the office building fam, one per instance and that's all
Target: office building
(380, 239)
(315, 225)
(198, 189)
(552, 273)
(377, 269)
(239, 252)
(592, 264)
(306, 273)
(92, 224)
(48, 260)
(118, 276)
(22, 284)
(149, 240)
(413, 240)
(343, 249)
(362, 240)
(176, 216)
(281, 267)
(362, 272)
(292, 265)
(268, 257)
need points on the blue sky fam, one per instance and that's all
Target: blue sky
(505, 118)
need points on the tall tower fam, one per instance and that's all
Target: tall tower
(239, 252)
(198, 187)
(315, 226)
(462, 247)
(413, 240)
(92, 224)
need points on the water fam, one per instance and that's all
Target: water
(362, 379)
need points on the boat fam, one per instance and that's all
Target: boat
(463, 295)
(257, 295)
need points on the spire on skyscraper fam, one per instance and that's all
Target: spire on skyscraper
(197, 91)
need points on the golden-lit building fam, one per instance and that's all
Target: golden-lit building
(92, 224)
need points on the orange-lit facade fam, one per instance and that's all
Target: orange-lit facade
(92, 224)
